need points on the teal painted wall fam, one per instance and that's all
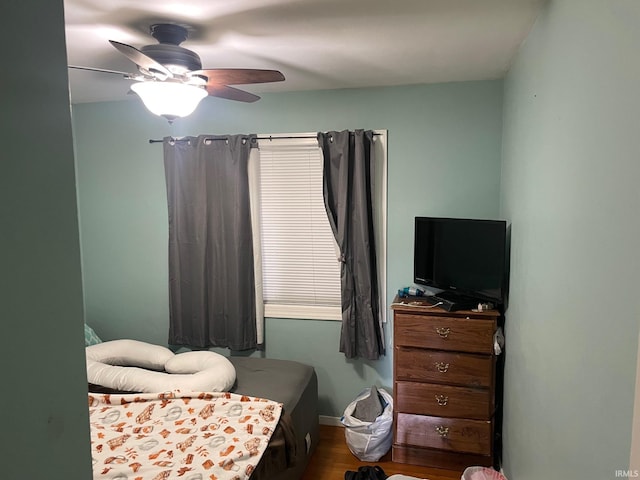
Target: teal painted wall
(42, 354)
(443, 159)
(571, 166)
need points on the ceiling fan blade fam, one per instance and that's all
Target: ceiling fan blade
(139, 58)
(231, 93)
(240, 76)
(100, 70)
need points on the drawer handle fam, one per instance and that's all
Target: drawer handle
(442, 400)
(442, 431)
(443, 331)
(442, 367)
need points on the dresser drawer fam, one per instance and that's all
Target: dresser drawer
(453, 434)
(433, 366)
(444, 333)
(443, 400)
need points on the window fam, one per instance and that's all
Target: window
(300, 270)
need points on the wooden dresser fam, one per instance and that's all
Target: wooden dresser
(444, 372)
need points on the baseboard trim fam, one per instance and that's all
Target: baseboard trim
(331, 421)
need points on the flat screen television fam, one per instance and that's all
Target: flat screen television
(465, 256)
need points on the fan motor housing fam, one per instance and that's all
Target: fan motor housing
(169, 52)
(173, 55)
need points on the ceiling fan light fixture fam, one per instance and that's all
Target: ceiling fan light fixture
(169, 99)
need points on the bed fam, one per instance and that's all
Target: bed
(282, 396)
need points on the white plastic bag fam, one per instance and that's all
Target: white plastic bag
(369, 441)
(481, 473)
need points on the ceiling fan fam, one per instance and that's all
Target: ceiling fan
(170, 79)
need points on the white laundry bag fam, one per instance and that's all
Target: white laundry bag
(369, 441)
(481, 473)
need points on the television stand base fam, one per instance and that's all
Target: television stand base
(453, 302)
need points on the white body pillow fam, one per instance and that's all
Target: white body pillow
(203, 371)
(130, 353)
(114, 365)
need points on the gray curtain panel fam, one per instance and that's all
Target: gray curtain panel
(347, 178)
(211, 276)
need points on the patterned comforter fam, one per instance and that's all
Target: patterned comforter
(198, 436)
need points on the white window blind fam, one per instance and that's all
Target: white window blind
(301, 273)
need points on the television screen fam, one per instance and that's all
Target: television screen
(463, 255)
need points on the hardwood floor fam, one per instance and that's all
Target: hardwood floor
(332, 458)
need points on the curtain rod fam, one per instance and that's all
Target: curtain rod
(270, 138)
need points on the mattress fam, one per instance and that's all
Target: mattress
(293, 384)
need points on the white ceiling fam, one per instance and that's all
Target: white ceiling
(316, 44)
